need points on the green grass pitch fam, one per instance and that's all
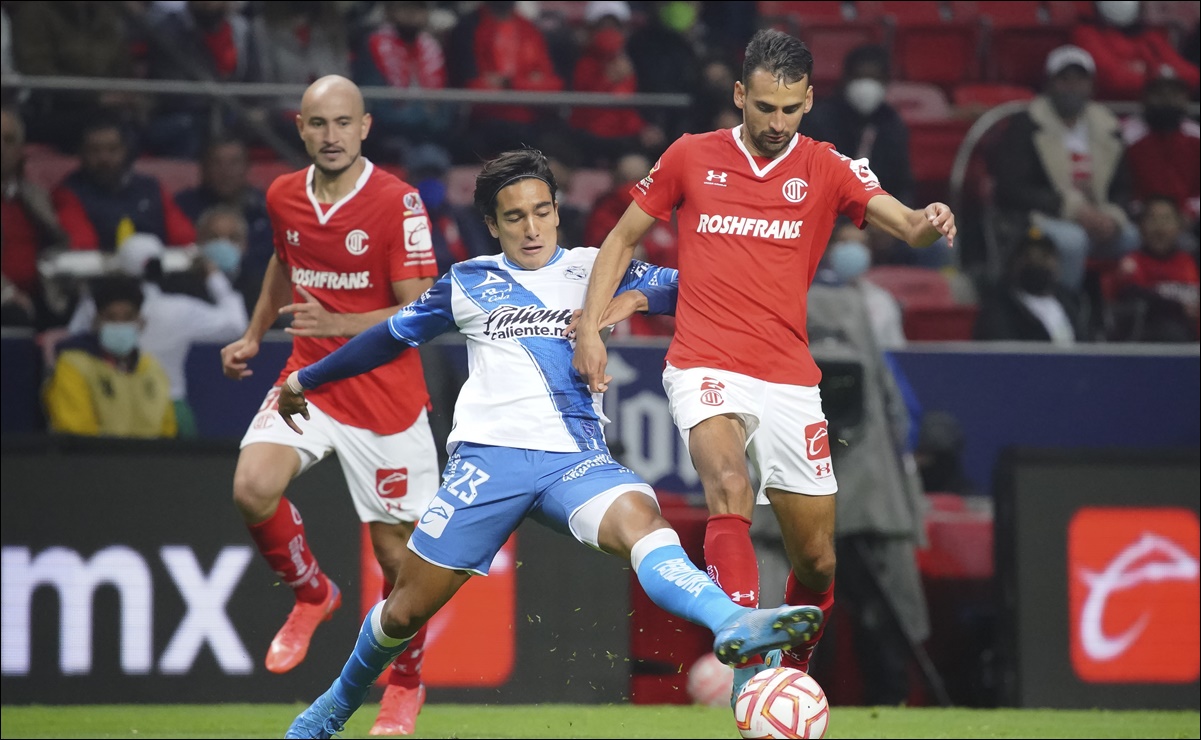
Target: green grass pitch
(564, 721)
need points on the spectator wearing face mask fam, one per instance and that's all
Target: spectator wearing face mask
(1029, 304)
(1061, 167)
(846, 261)
(102, 383)
(1159, 141)
(1129, 53)
(172, 322)
(1157, 286)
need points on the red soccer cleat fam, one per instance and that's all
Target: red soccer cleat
(291, 643)
(398, 711)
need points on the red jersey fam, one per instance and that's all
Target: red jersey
(751, 234)
(347, 255)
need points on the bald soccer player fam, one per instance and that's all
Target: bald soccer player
(352, 243)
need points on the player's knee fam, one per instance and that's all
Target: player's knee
(730, 485)
(816, 566)
(256, 495)
(399, 618)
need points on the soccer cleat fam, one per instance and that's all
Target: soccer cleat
(742, 674)
(761, 630)
(291, 643)
(322, 719)
(398, 710)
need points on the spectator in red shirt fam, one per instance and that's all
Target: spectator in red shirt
(1128, 53)
(28, 225)
(1157, 286)
(105, 200)
(205, 40)
(494, 48)
(401, 52)
(604, 67)
(1160, 142)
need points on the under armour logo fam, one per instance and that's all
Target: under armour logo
(715, 178)
(293, 237)
(823, 470)
(738, 597)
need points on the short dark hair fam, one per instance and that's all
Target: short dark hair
(216, 142)
(101, 123)
(1033, 240)
(1145, 207)
(507, 168)
(113, 288)
(866, 54)
(782, 56)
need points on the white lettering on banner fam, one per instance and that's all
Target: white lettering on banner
(205, 619)
(76, 580)
(1132, 567)
(741, 226)
(682, 574)
(331, 280)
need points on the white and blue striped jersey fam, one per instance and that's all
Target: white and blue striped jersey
(521, 390)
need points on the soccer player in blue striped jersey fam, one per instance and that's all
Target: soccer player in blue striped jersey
(527, 439)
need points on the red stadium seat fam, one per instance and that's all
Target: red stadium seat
(918, 102)
(944, 54)
(939, 323)
(1001, 13)
(932, 148)
(1068, 13)
(1017, 56)
(263, 173)
(904, 12)
(830, 45)
(174, 174)
(913, 286)
(985, 95)
(805, 12)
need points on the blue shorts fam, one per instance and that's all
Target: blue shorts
(487, 491)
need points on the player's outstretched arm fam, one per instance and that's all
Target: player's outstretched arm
(311, 319)
(916, 228)
(607, 271)
(275, 293)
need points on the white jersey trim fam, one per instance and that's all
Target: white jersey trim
(761, 173)
(323, 218)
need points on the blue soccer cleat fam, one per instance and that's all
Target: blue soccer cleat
(742, 674)
(322, 719)
(760, 631)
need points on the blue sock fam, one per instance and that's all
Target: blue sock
(678, 586)
(373, 652)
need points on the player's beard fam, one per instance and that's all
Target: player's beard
(331, 174)
(771, 148)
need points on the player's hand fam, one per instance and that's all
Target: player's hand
(236, 355)
(590, 359)
(310, 319)
(940, 217)
(292, 401)
(624, 306)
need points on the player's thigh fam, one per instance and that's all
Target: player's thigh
(391, 477)
(486, 492)
(595, 499)
(421, 588)
(272, 455)
(717, 413)
(390, 543)
(791, 450)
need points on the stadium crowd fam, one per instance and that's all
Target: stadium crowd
(1096, 215)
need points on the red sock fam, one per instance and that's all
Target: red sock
(405, 671)
(797, 594)
(281, 541)
(730, 558)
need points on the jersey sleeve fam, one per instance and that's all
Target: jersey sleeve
(663, 187)
(411, 243)
(426, 317)
(854, 185)
(277, 236)
(660, 285)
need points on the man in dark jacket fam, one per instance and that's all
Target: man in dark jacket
(1029, 303)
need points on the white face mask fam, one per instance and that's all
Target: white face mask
(865, 95)
(1120, 14)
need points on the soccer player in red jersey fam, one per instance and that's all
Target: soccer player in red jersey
(755, 207)
(352, 243)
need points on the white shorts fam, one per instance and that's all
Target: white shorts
(391, 478)
(786, 434)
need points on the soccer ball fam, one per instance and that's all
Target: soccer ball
(782, 703)
(710, 681)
